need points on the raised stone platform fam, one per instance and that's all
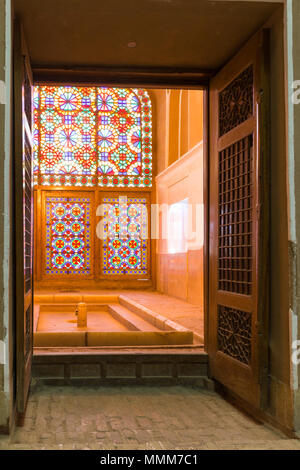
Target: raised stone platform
(183, 313)
(124, 366)
(112, 321)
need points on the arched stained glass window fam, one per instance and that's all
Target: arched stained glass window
(89, 136)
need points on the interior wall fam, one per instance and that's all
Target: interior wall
(293, 65)
(6, 283)
(279, 328)
(180, 160)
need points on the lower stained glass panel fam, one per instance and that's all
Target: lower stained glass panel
(125, 235)
(68, 245)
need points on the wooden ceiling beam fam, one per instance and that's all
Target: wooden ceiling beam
(152, 78)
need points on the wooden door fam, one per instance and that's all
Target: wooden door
(239, 147)
(23, 217)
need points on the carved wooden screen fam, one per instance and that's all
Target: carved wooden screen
(238, 223)
(24, 216)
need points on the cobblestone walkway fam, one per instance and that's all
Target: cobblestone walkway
(138, 418)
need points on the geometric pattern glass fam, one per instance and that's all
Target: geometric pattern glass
(68, 223)
(89, 136)
(125, 235)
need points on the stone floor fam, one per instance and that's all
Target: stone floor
(184, 313)
(151, 418)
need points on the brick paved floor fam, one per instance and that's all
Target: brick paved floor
(138, 418)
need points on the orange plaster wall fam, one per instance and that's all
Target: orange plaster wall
(181, 274)
(180, 176)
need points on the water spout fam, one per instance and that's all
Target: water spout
(81, 313)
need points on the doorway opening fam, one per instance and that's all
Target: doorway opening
(237, 73)
(118, 217)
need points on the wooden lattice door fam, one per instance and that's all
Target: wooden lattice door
(23, 216)
(238, 306)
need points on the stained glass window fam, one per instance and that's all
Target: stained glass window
(125, 235)
(88, 136)
(68, 248)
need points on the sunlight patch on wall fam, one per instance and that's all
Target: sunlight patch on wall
(177, 227)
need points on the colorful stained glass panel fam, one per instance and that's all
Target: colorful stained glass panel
(65, 135)
(68, 245)
(87, 136)
(125, 235)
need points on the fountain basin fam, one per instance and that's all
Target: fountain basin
(107, 325)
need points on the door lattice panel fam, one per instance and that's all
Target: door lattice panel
(27, 96)
(235, 217)
(234, 333)
(28, 332)
(27, 169)
(236, 102)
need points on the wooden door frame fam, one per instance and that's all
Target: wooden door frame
(206, 199)
(150, 79)
(180, 82)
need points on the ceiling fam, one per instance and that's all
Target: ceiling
(184, 34)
